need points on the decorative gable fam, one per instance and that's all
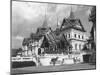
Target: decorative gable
(72, 22)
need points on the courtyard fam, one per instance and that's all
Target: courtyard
(40, 69)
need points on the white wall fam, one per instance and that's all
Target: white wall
(77, 32)
(76, 40)
(73, 42)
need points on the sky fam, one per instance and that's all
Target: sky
(28, 16)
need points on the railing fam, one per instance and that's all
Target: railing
(21, 59)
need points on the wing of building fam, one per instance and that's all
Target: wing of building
(74, 31)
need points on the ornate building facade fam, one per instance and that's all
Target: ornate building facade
(74, 32)
(69, 37)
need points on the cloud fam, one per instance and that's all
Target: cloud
(88, 11)
(51, 8)
(28, 10)
(29, 15)
(16, 41)
(25, 15)
(19, 37)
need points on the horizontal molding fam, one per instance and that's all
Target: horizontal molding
(77, 39)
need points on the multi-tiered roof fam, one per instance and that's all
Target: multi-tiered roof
(72, 22)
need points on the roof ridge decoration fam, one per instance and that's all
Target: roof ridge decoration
(72, 22)
(71, 16)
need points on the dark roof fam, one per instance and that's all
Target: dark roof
(57, 31)
(35, 37)
(42, 30)
(54, 39)
(72, 22)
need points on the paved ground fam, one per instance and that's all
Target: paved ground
(33, 69)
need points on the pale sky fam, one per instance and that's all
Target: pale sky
(28, 16)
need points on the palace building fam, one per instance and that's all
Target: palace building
(66, 42)
(69, 37)
(74, 32)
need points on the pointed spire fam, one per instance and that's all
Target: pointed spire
(57, 22)
(45, 19)
(71, 16)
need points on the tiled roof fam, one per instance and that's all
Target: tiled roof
(72, 23)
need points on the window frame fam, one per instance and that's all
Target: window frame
(76, 46)
(75, 35)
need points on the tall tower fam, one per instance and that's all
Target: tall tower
(45, 24)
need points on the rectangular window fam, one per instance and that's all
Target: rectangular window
(75, 35)
(69, 35)
(75, 46)
(79, 36)
(82, 37)
(80, 46)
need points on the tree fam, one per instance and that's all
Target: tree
(20, 50)
(26, 41)
(54, 60)
(92, 18)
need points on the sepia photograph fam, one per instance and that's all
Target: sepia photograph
(52, 37)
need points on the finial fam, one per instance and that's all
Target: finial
(71, 14)
(45, 19)
(71, 8)
(57, 22)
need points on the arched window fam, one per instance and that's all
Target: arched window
(82, 37)
(75, 46)
(69, 35)
(79, 36)
(80, 46)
